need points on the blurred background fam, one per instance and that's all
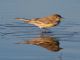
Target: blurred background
(13, 31)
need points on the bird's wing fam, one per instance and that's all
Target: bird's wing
(35, 19)
(45, 20)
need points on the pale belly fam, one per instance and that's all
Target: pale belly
(44, 25)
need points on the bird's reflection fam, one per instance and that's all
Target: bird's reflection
(45, 41)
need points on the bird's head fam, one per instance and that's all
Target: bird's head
(56, 50)
(58, 17)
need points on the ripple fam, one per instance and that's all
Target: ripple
(64, 33)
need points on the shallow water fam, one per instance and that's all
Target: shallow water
(13, 31)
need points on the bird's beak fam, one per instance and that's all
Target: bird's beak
(62, 19)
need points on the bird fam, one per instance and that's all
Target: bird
(44, 22)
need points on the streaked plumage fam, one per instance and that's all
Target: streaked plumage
(44, 22)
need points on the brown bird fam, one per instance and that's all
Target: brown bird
(47, 42)
(44, 22)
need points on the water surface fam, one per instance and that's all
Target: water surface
(13, 31)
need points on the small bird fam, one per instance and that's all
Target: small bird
(44, 22)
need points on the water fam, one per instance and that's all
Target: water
(13, 31)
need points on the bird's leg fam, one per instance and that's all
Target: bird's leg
(45, 30)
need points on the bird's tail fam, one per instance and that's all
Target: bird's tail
(25, 42)
(22, 19)
(32, 42)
